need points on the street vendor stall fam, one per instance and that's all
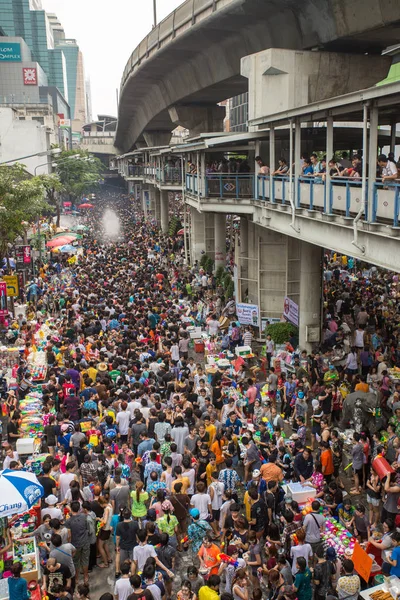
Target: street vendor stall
(21, 491)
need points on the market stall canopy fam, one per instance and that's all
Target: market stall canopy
(20, 490)
(59, 241)
(68, 249)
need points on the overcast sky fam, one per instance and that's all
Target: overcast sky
(107, 33)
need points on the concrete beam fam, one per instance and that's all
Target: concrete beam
(157, 138)
(286, 79)
(198, 119)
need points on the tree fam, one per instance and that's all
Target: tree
(22, 199)
(78, 171)
(53, 188)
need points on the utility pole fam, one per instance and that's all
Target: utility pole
(155, 13)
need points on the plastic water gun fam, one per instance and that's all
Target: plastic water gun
(294, 539)
(138, 460)
(100, 526)
(185, 539)
(227, 559)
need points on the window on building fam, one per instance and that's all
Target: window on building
(39, 120)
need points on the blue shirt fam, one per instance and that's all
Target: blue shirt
(17, 588)
(196, 533)
(236, 425)
(145, 446)
(396, 556)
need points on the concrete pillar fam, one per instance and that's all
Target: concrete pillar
(198, 241)
(157, 138)
(145, 202)
(157, 205)
(164, 211)
(373, 153)
(310, 294)
(243, 267)
(152, 202)
(220, 239)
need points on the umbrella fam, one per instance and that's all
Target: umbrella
(67, 203)
(68, 248)
(20, 491)
(12, 262)
(86, 205)
(180, 232)
(82, 228)
(60, 241)
(68, 234)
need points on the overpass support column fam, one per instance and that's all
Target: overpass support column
(243, 267)
(164, 211)
(157, 205)
(157, 138)
(220, 239)
(197, 237)
(310, 299)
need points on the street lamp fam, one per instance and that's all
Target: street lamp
(52, 152)
(154, 13)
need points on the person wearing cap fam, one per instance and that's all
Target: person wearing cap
(197, 530)
(51, 509)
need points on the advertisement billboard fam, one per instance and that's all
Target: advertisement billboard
(23, 255)
(291, 311)
(248, 314)
(3, 299)
(10, 51)
(30, 75)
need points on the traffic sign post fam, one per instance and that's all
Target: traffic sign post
(12, 285)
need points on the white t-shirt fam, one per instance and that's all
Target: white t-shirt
(123, 588)
(55, 513)
(390, 169)
(9, 459)
(213, 327)
(359, 338)
(123, 419)
(65, 480)
(201, 502)
(218, 488)
(141, 554)
(303, 550)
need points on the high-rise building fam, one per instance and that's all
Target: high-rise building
(75, 81)
(89, 112)
(60, 58)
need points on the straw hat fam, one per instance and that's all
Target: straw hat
(102, 367)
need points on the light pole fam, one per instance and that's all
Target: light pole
(52, 152)
(154, 13)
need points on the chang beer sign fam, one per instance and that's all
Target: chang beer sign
(10, 51)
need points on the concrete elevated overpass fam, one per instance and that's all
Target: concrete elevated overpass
(191, 60)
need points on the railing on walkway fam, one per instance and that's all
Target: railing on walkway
(229, 185)
(191, 183)
(341, 197)
(135, 170)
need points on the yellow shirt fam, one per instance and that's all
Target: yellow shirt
(210, 469)
(185, 481)
(247, 505)
(212, 430)
(206, 593)
(92, 372)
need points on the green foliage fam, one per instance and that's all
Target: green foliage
(22, 199)
(53, 188)
(230, 290)
(227, 281)
(281, 332)
(219, 273)
(174, 226)
(78, 171)
(209, 265)
(203, 260)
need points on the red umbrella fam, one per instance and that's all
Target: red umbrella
(86, 205)
(180, 232)
(60, 241)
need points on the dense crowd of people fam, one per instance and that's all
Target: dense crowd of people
(151, 460)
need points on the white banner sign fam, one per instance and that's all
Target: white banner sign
(291, 311)
(248, 314)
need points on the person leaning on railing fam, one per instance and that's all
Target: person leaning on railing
(282, 169)
(388, 168)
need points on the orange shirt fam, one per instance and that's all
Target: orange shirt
(362, 387)
(271, 472)
(327, 461)
(216, 448)
(209, 556)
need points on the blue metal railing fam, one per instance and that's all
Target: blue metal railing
(135, 170)
(230, 185)
(343, 196)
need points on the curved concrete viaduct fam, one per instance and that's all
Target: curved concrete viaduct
(191, 60)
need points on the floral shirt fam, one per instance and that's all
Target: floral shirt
(317, 479)
(196, 533)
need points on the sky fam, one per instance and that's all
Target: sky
(107, 33)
